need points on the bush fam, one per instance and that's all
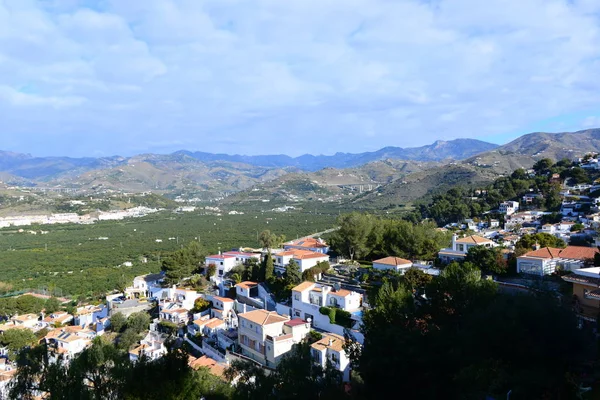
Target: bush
(331, 312)
(343, 318)
(168, 327)
(313, 336)
(201, 304)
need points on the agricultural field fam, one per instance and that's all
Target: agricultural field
(72, 260)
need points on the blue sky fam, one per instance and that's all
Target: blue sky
(105, 77)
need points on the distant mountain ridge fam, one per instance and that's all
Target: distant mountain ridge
(440, 150)
(48, 168)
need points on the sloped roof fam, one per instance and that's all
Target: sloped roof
(395, 261)
(474, 239)
(247, 284)
(263, 317)
(337, 342)
(303, 286)
(570, 252)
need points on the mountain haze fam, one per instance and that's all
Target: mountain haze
(457, 149)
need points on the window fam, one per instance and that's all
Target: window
(460, 247)
(243, 323)
(256, 329)
(335, 358)
(297, 313)
(221, 262)
(296, 296)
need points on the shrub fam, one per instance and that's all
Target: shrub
(343, 318)
(201, 304)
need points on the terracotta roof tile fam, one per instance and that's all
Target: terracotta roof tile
(303, 286)
(263, 317)
(247, 284)
(337, 342)
(395, 261)
(473, 239)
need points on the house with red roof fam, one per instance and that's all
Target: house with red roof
(311, 244)
(396, 263)
(547, 260)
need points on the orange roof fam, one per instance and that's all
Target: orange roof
(302, 254)
(341, 293)
(307, 242)
(247, 284)
(303, 286)
(395, 261)
(337, 342)
(224, 299)
(214, 322)
(545, 252)
(263, 317)
(204, 361)
(570, 252)
(473, 239)
(579, 252)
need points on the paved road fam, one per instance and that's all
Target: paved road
(320, 233)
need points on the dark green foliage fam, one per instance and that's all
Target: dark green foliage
(201, 304)
(117, 322)
(16, 339)
(27, 304)
(103, 372)
(320, 268)
(52, 305)
(268, 269)
(527, 242)
(488, 260)
(211, 270)
(96, 265)
(337, 316)
(293, 276)
(183, 263)
(458, 344)
(168, 327)
(138, 322)
(368, 237)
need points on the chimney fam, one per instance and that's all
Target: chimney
(536, 246)
(330, 342)
(454, 237)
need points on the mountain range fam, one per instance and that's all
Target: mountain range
(400, 173)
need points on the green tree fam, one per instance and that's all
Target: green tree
(269, 240)
(543, 166)
(52, 305)
(527, 242)
(117, 322)
(293, 276)
(486, 259)
(268, 268)
(211, 270)
(17, 339)
(352, 236)
(138, 322)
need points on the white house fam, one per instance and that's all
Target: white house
(460, 247)
(174, 315)
(151, 346)
(310, 244)
(30, 321)
(207, 327)
(266, 336)
(331, 347)
(547, 260)
(184, 298)
(308, 297)
(90, 314)
(145, 285)
(509, 207)
(60, 318)
(395, 263)
(242, 257)
(223, 309)
(304, 258)
(223, 263)
(64, 343)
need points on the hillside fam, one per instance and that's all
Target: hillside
(330, 184)
(175, 173)
(425, 183)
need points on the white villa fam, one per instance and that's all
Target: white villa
(460, 247)
(396, 263)
(265, 336)
(331, 347)
(547, 260)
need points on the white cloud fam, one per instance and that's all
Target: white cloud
(591, 122)
(292, 77)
